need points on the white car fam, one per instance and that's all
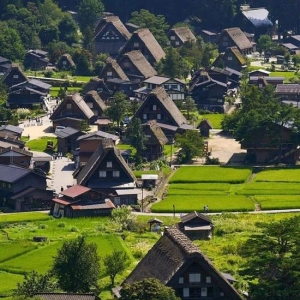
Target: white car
(59, 128)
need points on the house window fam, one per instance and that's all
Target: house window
(208, 279)
(90, 104)
(229, 58)
(154, 107)
(194, 277)
(180, 280)
(145, 116)
(166, 86)
(175, 87)
(102, 174)
(126, 64)
(109, 164)
(204, 292)
(225, 38)
(225, 44)
(109, 73)
(136, 45)
(69, 105)
(64, 62)
(168, 43)
(158, 117)
(222, 294)
(186, 292)
(15, 76)
(177, 43)
(116, 174)
(172, 37)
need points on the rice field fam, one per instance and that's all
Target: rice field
(279, 175)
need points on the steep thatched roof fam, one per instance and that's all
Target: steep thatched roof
(238, 37)
(170, 107)
(116, 23)
(107, 147)
(69, 58)
(183, 33)
(95, 83)
(16, 69)
(156, 131)
(112, 64)
(140, 62)
(94, 96)
(169, 255)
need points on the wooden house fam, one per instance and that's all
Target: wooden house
(5, 64)
(234, 37)
(95, 103)
(107, 172)
(36, 60)
(81, 201)
(8, 140)
(177, 263)
(65, 62)
(179, 35)
(110, 35)
(209, 94)
(156, 140)
(89, 143)
(144, 41)
(259, 73)
(209, 36)
(196, 226)
(265, 150)
(98, 85)
(103, 123)
(12, 130)
(127, 87)
(160, 107)
(23, 189)
(288, 93)
(136, 66)
(227, 75)
(15, 156)
(254, 20)
(14, 75)
(71, 112)
(175, 87)
(112, 70)
(67, 139)
(231, 58)
(261, 81)
(205, 126)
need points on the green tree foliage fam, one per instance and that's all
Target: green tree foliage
(56, 50)
(10, 43)
(273, 258)
(115, 263)
(191, 144)
(50, 13)
(35, 283)
(261, 114)
(265, 43)
(136, 137)
(77, 266)
(149, 288)
(155, 23)
(89, 12)
(118, 108)
(189, 106)
(68, 30)
(82, 59)
(171, 64)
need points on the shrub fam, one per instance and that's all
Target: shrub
(74, 229)
(42, 226)
(61, 225)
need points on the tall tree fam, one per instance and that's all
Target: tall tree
(68, 30)
(136, 137)
(149, 288)
(171, 64)
(89, 12)
(273, 258)
(115, 263)
(77, 266)
(155, 23)
(118, 108)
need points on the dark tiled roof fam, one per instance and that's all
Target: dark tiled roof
(140, 62)
(183, 33)
(12, 128)
(288, 88)
(192, 215)
(98, 134)
(169, 254)
(106, 204)
(40, 84)
(17, 150)
(12, 173)
(66, 132)
(66, 296)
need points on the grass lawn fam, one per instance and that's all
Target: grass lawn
(54, 90)
(279, 175)
(216, 203)
(8, 283)
(40, 143)
(285, 74)
(206, 174)
(126, 147)
(215, 119)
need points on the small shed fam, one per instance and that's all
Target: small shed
(196, 226)
(155, 224)
(205, 126)
(149, 179)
